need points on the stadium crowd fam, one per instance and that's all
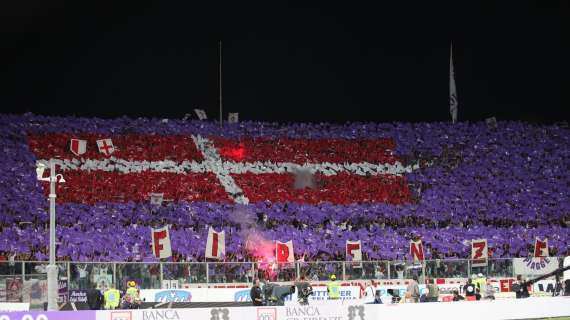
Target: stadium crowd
(508, 184)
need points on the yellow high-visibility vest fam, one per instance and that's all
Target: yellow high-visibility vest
(132, 293)
(112, 298)
(481, 283)
(333, 289)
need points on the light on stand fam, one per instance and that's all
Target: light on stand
(52, 267)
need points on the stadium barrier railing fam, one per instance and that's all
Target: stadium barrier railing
(27, 278)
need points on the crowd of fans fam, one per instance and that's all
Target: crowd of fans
(508, 184)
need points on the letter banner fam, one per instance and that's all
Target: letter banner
(354, 253)
(417, 251)
(541, 248)
(161, 243)
(353, 250)
(216, 244)
(479, 252)
(284, 251)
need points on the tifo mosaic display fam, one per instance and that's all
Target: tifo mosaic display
(383, 184)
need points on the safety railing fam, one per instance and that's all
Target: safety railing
(22, 277)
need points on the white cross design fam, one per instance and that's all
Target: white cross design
(224, 169)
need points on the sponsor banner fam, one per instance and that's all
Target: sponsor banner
(234, 294)
(348, 310)
(62, 293)
(12, 306)
(35, 292)
(545, 286)
(2, 290)
(171, 314)
(327, 311)
(77, 296)
(14, 289)
(535, 266)
(443, 289)
(49, 315)
(320, 294)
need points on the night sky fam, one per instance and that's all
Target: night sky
(326, 61)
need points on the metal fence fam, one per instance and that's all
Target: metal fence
(84, 275)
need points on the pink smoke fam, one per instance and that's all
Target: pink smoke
(256, 245)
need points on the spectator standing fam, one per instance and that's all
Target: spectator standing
(3, 264)
(94, 298)
(12, 263)
(489, 291)
(370, 293)
(413, 289)
(520, 289)
(433, 291)
(83, 280)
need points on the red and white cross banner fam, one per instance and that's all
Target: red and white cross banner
(345, 171)
(284, 251)
(216, 244)
(479, 252)
(78, 147)
(353, 250)
(541, 248)
(161, 243)
(106, 146)
(417, 251)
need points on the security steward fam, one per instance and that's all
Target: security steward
(132, 296)
(94, 298)
(256, 294)
(112, 298)
(480, 282)
(333, 288)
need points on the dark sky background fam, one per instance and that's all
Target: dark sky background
(303, 61)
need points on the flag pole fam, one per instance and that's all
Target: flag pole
(220, 81)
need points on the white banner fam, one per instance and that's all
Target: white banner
(216, 244)
(535, 266)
